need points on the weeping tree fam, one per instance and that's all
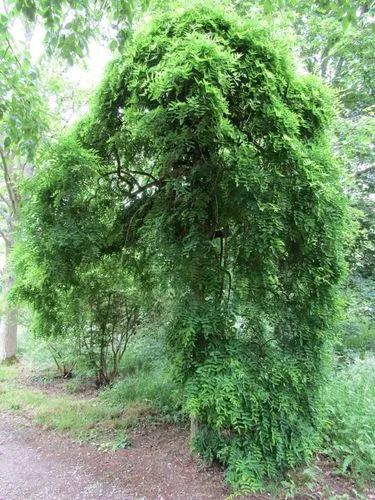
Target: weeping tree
(226, 187)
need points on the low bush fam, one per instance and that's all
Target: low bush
(146, 379)
(358, 338)
(155, 388)
(358, 324)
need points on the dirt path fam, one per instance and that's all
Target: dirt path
(39, 464)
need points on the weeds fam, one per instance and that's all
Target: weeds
(350, 432)
(146, 393)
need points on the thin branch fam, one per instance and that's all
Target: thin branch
(14, 54)
(140, 172)
(143, 188)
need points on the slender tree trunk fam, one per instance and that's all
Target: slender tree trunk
(12, 166)
(9, 319)
(8, 335)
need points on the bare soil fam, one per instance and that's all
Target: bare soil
(39, 464)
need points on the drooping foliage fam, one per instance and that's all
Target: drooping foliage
(335, 41)
(205, 163)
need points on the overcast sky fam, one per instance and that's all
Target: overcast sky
(85, 76)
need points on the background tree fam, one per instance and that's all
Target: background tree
(69, 25)
(22, 123)
(32, 109)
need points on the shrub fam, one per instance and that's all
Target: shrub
(156, 388)
(358, 337)
(146, 379)
(358, 327)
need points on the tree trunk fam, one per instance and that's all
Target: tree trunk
(8, 335)
(8, 322)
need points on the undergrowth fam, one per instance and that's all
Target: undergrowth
(62, 412)
(145, 392)
(350, 431)
(146, 380)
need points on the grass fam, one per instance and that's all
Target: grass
(63, 412)
(8, 372)
(154, 389)
(145, 384)
(145, 392)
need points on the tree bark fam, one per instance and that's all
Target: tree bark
(8, 335)
(9, 319)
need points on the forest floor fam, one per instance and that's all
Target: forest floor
(39, 462)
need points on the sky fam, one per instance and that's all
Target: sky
(86, 76)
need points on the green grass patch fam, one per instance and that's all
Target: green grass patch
(154, 389)
(60, 412)
(8, 372)
(145, 392)
(83, 419)
(145, 386)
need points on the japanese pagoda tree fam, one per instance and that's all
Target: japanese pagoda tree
(214, 172)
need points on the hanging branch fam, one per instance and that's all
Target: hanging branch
(144, 188)
(140, 172)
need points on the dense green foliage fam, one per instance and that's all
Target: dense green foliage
(77, 292)
(204, 165)
(334, 40)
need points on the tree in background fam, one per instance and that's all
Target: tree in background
(26, 113)
(69, 25)
(22, 123)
